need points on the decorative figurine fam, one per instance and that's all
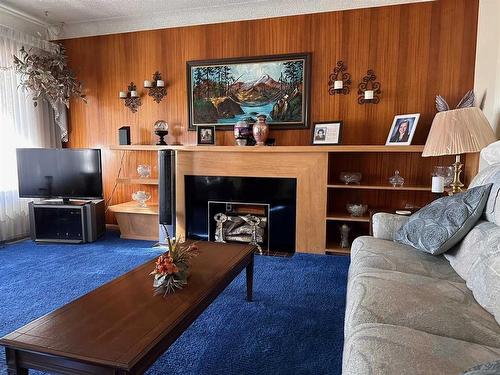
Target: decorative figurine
(260, 130)
(344, 236)
(220, 219)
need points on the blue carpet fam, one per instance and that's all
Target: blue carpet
(294, 326)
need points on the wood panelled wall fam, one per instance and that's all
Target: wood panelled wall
(417, 51)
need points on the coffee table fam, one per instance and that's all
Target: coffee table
(121, 327)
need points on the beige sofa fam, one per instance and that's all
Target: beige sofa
(409, 312)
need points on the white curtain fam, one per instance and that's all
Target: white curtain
(21, 125)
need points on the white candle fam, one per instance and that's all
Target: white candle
(123, 94)
(133, 94)
(160, 83)
(147, 83)
(437, 184)
(338, 85)
(369, 94)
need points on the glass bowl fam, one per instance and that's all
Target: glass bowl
(356, 209)
(141, 197)
(350, 177)
(144, 170)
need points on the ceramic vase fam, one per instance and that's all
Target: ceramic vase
(260, 130)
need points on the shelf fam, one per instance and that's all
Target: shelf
(347, 217)
(273, 149)
(333, 249)
(137, 181)
(380, 187)
(133, 208)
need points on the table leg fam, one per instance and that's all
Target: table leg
(249, 272)
(13, 367)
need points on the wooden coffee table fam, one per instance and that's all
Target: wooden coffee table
(121, 328)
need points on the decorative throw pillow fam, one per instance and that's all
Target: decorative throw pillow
(490, 368)
(443, 223)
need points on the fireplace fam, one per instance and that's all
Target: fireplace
(242, 209)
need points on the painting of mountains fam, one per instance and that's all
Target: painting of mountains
(223, 92)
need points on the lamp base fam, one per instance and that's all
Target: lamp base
(456, 185)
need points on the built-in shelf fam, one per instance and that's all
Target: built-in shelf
(338, 216)
(137, 181)
(335, 249)
(133, 208)
(379, 187)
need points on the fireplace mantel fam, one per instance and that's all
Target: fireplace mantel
(308, 168)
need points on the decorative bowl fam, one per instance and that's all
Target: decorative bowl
(350, 177)
(356, 209)
(144, 170)
(141, 197)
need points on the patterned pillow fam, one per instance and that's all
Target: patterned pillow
(490, 368)
(443, 223)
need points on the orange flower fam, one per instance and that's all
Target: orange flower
(165, 265)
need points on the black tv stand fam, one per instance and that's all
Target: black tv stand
(66, 220)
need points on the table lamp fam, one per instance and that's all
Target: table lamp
(455, 132)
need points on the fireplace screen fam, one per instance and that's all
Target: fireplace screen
(240, 222)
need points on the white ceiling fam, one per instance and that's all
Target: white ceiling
(96, 17)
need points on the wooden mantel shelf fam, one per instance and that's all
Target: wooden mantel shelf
(275, 149)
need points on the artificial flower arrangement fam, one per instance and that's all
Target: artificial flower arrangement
(172, 268)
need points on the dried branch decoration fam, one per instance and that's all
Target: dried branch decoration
(48, 76)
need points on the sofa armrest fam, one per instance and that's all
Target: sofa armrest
(385, 226)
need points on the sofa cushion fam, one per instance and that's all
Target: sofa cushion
(490, 174)
(439, 307)
(484, 276)
(380, 349)
(443, 223)
(369, 252)
(464, 255)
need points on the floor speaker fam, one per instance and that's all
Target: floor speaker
(166, 191)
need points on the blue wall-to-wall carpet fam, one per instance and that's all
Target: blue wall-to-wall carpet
(294, 326)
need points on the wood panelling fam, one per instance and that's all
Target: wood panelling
(417, 51)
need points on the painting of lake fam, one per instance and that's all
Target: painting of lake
(224, 92)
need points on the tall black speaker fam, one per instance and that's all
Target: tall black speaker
(166, 189)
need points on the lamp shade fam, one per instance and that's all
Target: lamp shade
(458, 131)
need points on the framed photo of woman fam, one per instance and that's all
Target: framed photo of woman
(402, 130)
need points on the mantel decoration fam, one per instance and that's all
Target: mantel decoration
(224, 91)
(156, 87)
(161, 130)
(172, 268)
(131, 97)
(369, 89)
(48, 76)
(340, 80)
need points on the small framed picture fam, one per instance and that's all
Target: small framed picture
(206, 135)
(402, 130)
(327, 133)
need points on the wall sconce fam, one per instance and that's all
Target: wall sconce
(131, 97)
(369, 89)
(340, 80)
(156, 87)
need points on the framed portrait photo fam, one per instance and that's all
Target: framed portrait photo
(402, 130)
(205, 135)
(327, 133)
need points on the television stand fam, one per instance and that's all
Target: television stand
(66, 221)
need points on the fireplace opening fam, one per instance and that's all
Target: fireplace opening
(262, 208)
(239, 222)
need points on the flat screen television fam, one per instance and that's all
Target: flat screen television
(59, 173)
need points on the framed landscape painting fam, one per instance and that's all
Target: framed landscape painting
(223, 92)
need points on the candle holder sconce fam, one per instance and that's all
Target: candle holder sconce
(339, 81)
(156, 87)
(131, 97)
(369, 89)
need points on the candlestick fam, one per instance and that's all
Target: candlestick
(338, 85)
(369, 94)
(123, 94)
(160, 83)
(147, 84)
(133, 94)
